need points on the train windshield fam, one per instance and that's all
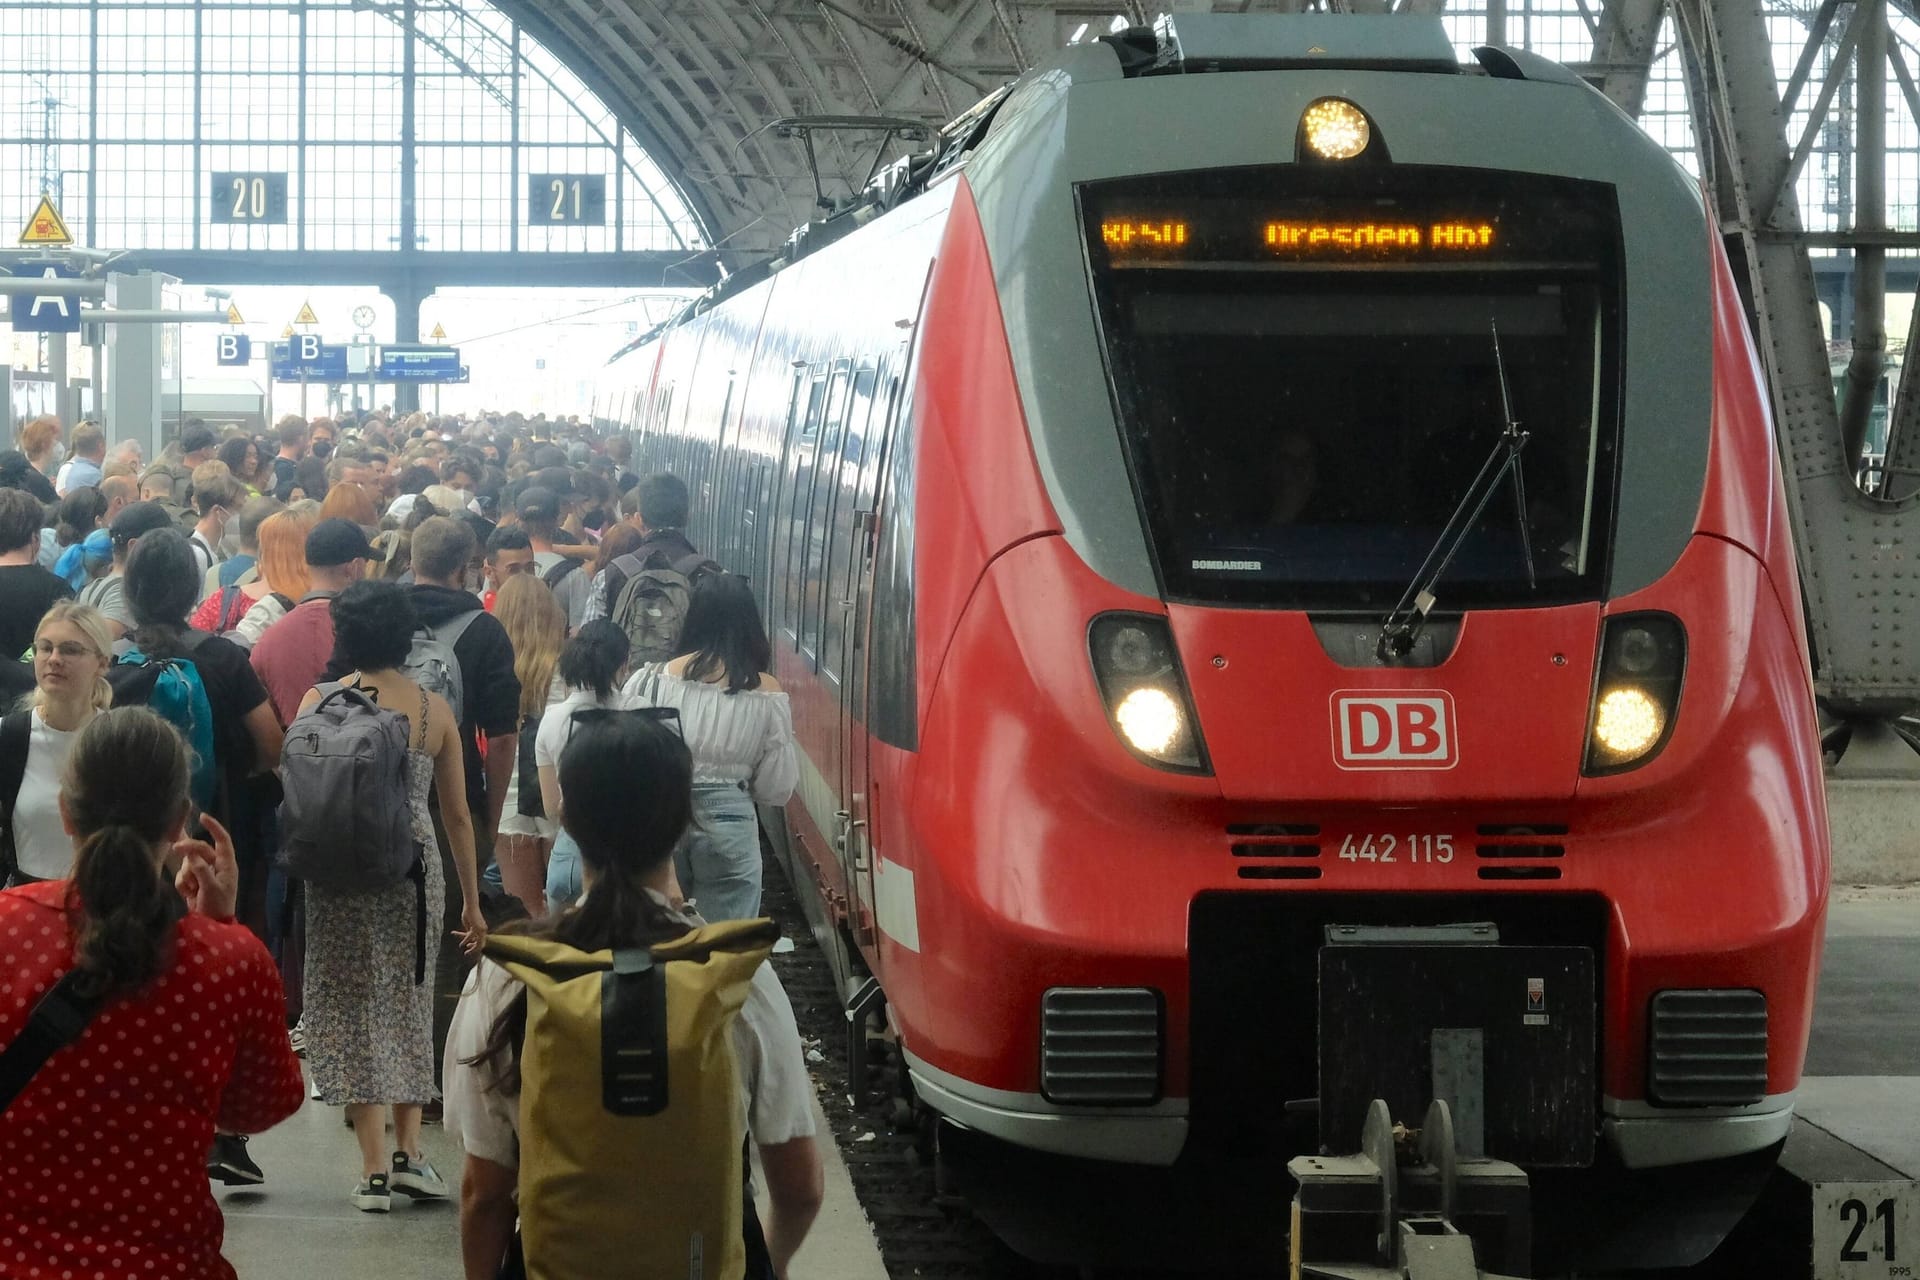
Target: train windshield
(1304, 361)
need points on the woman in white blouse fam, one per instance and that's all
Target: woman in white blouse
(72, 648)
(739, 726)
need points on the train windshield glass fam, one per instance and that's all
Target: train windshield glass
(1304, 363)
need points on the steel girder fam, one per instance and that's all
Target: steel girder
(1861, 579)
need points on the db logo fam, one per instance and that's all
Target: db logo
(1392, 729)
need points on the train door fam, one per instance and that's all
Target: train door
(855, 841)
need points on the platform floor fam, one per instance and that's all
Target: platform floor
(299, 1226)
(1863, 1063)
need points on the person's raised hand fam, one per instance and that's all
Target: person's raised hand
(208, 878)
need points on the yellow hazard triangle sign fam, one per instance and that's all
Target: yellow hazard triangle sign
(306, 315)
(233, 314)
(46, 226)
(439, 334)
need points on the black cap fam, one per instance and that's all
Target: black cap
(537, 503)
(137, 518)
(335, 542)
(195, 438)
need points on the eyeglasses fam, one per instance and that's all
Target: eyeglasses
(69, 649)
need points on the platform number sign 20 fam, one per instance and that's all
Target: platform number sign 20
(1862, 1229)
(249, 198)
(567, 199)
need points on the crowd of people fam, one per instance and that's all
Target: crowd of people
(492, 643)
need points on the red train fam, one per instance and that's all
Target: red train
(1276, 545)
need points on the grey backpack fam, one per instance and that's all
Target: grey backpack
(652, 607)
(345, 822)
(431, 663)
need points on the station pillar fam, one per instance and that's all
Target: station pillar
(407, 294)
(132, 399)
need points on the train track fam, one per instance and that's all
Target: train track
(920, 1234)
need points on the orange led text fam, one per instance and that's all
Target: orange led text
(1377, 235)
(1128, 234)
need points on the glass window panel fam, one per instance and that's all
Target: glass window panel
(352, 198)
(146, 197)
(354, 108)
(465, 198)
(146, 106)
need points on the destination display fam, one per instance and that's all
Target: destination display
(305, 358)
(1261, 216)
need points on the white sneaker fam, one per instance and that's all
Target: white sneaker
(371, 1195)
(417, 1178)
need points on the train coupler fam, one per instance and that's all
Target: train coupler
(1408, 1206)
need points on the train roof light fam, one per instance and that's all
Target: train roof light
(1335, 129)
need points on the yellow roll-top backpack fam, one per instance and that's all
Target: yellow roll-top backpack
(631, 1134)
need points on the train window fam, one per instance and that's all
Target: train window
(844, 483)
(826, 475)
(893, 710)
(1313, 365)
(803, 442)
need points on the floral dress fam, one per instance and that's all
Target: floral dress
(369, 1025)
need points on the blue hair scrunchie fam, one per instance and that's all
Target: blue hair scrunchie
(96, 548)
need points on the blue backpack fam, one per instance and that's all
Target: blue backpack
(172, 689)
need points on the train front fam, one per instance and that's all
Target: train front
(1367, 662)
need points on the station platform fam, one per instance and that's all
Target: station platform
(299, 1226)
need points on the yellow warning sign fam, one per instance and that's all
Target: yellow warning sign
(439, 334)
(46, 226)
(287, 332)
(306, 315)
(233, 314)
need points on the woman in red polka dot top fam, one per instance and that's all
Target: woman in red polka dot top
(103, 1154)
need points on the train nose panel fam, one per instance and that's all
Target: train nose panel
(1504, 715)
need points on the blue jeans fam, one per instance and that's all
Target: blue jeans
(563, 873)
(718, 860)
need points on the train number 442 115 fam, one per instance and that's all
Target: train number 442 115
(1386, 847)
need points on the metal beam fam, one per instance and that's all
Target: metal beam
(1630, 32)
(1854, 566)
(650, 270)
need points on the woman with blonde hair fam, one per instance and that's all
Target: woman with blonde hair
(72, 649)
(537, 625)
(282, 582)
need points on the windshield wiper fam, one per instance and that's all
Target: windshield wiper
(1402, 626)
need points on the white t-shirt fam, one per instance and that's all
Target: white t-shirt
(776, 1097)
(41, 841)
(556, 723)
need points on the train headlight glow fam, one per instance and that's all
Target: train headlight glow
(1145, 692)
(1643, 660)
(1336, 129)
(1627, 723)
(1151, 719)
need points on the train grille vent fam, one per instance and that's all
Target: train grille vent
(1264, 840)
(1100, 1045)
(1708, 1048)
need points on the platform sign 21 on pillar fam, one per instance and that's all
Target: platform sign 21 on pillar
(1866, 1230)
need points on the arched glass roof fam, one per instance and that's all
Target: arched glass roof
(325, 125)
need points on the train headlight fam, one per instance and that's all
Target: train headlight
(1150, 719)
(1643, 658)
(1335, 129)
(1627, 722)
(1138, 671)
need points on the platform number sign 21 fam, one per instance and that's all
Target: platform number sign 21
(1866, 1229)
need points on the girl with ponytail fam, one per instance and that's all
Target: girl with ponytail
(72, 648)
(627, 782)
(190, 1029)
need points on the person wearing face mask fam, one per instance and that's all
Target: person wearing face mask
(216, 495)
